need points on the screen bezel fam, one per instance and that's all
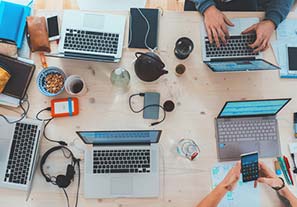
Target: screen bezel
(256, 115)
(120, 143)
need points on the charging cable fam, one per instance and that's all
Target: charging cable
(152, 105)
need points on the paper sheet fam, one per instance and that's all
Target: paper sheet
(22, 2)
(287, 29)
(106, 5)
(244, 195)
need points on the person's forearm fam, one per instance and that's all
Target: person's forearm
(277, 10)
(213, 199)
(285, 192)
(202, 5)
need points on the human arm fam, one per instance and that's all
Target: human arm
(276, 12)
(228, 184)
(270, 178)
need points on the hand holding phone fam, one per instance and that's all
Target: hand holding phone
(249, 166)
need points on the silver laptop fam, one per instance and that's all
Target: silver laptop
(246, 126)
(19, 145)
(121, 163)
(235, 55)
(91, 36)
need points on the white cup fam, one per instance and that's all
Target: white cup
(75, 85)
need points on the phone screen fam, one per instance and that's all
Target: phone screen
(53, 28)
(292, 55)
(249, 166)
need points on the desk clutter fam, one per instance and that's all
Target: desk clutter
(126, 162)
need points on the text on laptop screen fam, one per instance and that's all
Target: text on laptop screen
(119, 137)
(250, 108)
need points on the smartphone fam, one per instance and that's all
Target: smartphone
(292, 59)
(53, 28)
(249, 166)
(151, 112)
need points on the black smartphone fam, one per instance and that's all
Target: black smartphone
(249, 166)
(53, 28)
(151, 100)
(292, 59)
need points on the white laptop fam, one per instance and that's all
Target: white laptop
(91, 36)
(121, 163)
(235, 55)
(19, 145)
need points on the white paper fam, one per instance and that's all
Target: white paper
(287, 29)
(22, 2)
(105, 5)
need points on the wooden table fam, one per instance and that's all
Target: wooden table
(199, 95)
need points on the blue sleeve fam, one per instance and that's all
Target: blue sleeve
(277, 10)
(202, 5)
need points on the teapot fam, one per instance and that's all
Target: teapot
(148, 66)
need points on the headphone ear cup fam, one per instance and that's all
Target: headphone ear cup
(62, 181)
(70, 172)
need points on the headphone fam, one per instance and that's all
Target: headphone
(62, 181)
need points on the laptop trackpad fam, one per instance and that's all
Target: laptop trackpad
(94, 21)
(121, 186)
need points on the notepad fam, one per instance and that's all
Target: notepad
(13, 21)
(139, 27)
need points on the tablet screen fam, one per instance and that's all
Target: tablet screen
(292, 55)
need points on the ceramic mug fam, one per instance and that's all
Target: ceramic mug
(75, 85)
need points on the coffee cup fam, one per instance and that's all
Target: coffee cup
(75, 85)
(180, 69)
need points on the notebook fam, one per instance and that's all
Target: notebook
(139, 28)
(13, 21)
(21, 75)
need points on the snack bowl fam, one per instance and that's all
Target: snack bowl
(50, 81)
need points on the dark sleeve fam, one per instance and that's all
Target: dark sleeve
(277, 10)
(202, 5)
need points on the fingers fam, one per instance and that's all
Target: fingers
(262, 47)
(209, 34)
(249, 29)
(228, 22)
(215, 36)
(255, 184)
(258, 42)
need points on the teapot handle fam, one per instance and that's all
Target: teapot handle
(141, 53)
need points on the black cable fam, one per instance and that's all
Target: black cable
(78, 182)
(48, 120)
(67, 198)
(151, 105)
(24, 111)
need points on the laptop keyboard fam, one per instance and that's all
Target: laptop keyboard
(247, 130)
(21, 152)
(236, 46)
(98, 42)
(121, 161)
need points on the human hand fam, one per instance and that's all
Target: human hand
(231, 179)
(263, 30)
(216, 25)
(267, 176)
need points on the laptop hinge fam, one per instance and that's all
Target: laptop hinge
(89, 56)
(123, 144)
(232, 59)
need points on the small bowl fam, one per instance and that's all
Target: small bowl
(41, 80)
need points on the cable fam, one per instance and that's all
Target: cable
(78, 182)
(147, 31)
(151, 105)
(23, 114)
(66, 195)
(48, 120)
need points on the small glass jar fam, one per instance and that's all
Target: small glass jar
(120, 77)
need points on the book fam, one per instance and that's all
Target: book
(21, 75)
(13, 21)
(139, 27)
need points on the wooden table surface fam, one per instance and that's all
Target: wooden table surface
(199, 95)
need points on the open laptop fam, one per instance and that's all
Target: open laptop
(235, 55)
(121, 163)
(91, 36)
(19, 145)
(247, 126)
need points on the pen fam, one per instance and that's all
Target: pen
(288, 168)
(284, 169)
(277, 168)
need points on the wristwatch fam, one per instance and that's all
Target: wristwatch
(279, 187)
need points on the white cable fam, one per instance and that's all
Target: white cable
(147, 31)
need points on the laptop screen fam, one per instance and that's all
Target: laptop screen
(119, 137)
(253, 108)
(240, 65)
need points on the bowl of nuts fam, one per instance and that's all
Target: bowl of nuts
(50, 81)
